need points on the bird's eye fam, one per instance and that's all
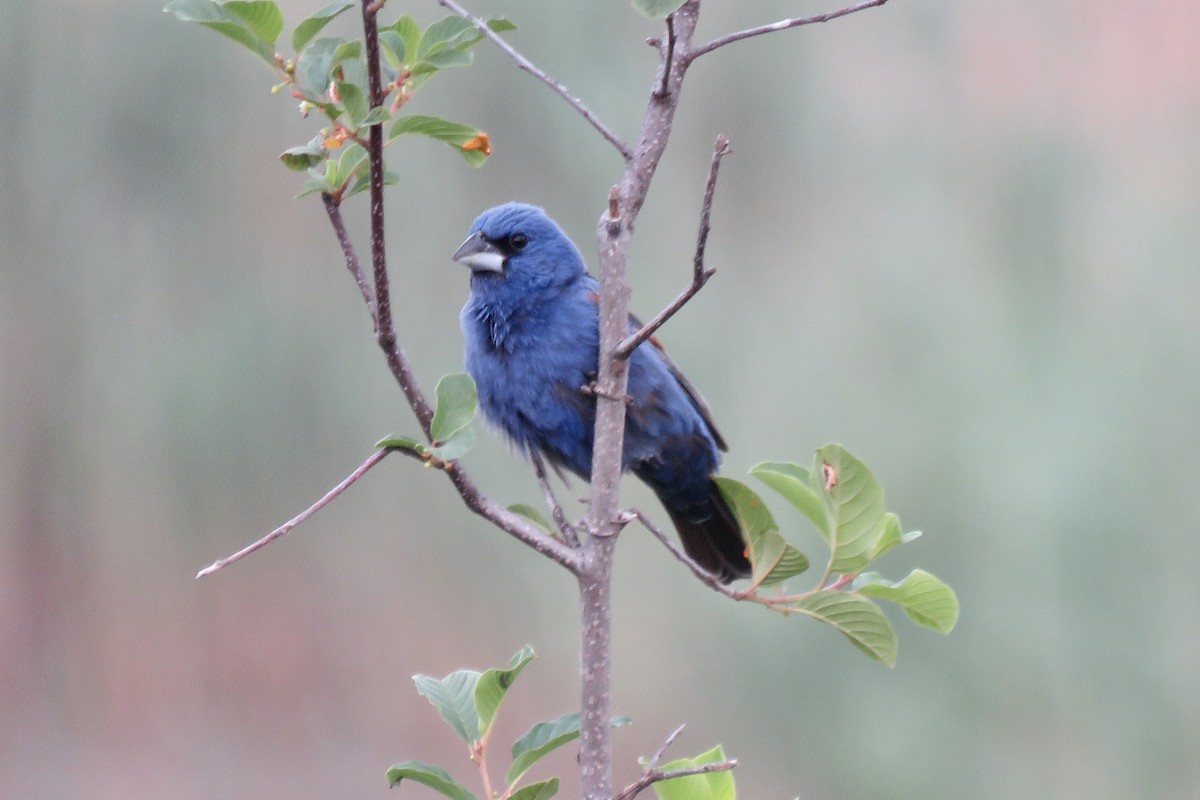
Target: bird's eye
(518, 241)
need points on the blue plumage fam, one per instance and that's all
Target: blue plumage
(532, 342)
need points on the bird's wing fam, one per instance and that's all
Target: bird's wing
(697, 399)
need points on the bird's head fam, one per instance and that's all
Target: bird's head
(518, 246)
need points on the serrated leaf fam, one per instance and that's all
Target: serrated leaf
(773, 560)
(792, 481)
(493, 685)
(925, 599)
(853, 503)
(306, 30)
(402, 442)
(454, 698)
(543, 790)
(263, 18)
(452, 133)
(705, 786)
(220, 19)
(657, 9)
(544, 738)
(435, 778)
(355, 101)
(859, 619)
(457, 401)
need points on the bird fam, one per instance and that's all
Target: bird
(531, 331)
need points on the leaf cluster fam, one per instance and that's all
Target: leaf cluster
(469, 702)
(842, 499)
(328, 74)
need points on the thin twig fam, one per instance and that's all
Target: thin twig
(670, 740)
(556, 511)
(651, 776)
(666, 73)
(703, 575)
(784, 24)
(334, 210)
(525, 64)
(375, 458)
(700, 275)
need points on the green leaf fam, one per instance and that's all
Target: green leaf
(217, 17)
(494, 683)
(853, 503)
(452, 133)
(410, 33)
(857, 618)
(263, 18)
(303, 157)
(705, 786)
(536, 517)
(456, 446)
(447, 32)
(313, 186)
(925, 599)
(310, 27)
(542, 790)
(402, 442)
(363, 180)
(500, 25)
(545, 737)
(442, 59)
(772, 558)
(792, 481)
(393, 47)
(355, 101)
(315, 63)
(657, 9)
(457, 401)
(435, 778)
(375, 116)
(354, 156)
(454, 698)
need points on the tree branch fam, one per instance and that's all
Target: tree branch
(346, 483)
(655, 775)
(525, 64)
(700, 275)
(334, 210)
(782, 25)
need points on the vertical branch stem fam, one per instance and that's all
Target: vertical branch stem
(385, 330)
(604, 520)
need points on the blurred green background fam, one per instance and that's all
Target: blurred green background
(961, 238)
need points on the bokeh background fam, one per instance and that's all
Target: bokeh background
(962, 238)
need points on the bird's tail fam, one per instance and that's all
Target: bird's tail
(714, 542)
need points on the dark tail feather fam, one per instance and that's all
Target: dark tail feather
(715, 543)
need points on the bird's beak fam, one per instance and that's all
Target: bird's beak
(479, 254)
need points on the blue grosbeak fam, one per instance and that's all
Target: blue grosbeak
(532, 343)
